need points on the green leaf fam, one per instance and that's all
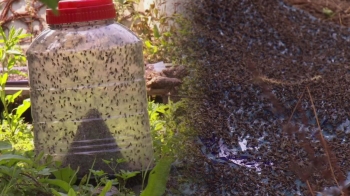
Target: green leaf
(11, 98)
(105, 189)
(22, 108)
(58, 164)
(156, 12)
(3, 57)
(126, 174)
(56, 182)
(52, 4)
(13, 157)
(6, 170)
(158, 126)
(45, 171)
(12, 33)
(106, 161)
(328, 12)
(158, 178)
(39, 156)
(5, 145)
(71, 192)
(14, 51)
(148, 44)
(155, 50)
(120, 160)
(4, 79)
(56, 193)
(11, 62)
(3, 35)
(167, 34)
(156, 31)
(20, 58)
(66, 174)
(12, 171)
(83, 180)
(23, 35)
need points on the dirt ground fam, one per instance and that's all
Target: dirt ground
(336, 11)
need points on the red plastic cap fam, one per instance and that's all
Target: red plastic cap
(81, 11)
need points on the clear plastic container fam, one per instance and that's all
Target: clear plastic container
(88, 91)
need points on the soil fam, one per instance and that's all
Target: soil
(335, 11)
(255, 60)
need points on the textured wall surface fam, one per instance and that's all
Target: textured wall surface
(257, 59)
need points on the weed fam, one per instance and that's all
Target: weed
(157, 29)
(168, 128)
(12, 125)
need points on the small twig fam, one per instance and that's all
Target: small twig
(31, 177)
(323, 141)
(340, 21)
(290, 117)
(310, 189)
(296, 106)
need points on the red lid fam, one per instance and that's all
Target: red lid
(81, 11)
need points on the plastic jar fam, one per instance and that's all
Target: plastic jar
(88, 91)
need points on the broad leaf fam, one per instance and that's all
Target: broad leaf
(14, 51)
(22, 108)
(71, 192)
(56, 182)
(127, 174)
(11, 62)
(11, 171)
(148, 44)
(12, 33)
(158, 178)
(83, 180)
(56, 193)
(3, 79)
(46, 171)
(105, 189)
(156, 31)
(12, 98)
(6, 170)
(23, 35)
(66, 174)
(13, 157)
(3, 35)
(106, 161)
(5, 145)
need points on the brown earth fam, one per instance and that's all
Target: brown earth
(262, 68)
(335, 11)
